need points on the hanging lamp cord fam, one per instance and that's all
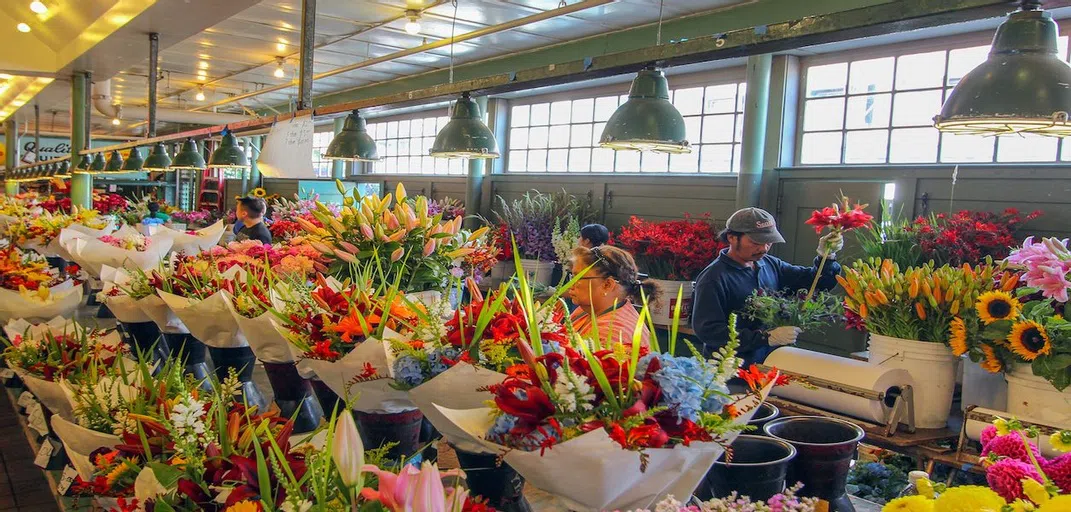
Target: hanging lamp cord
(453, 26)
(658, 38)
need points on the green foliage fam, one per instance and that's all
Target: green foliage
(774, 310)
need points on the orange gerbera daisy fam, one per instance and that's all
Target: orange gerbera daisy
(1029, 340)
(958, 337)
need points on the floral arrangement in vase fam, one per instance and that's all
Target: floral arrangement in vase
(673, 250)
(533, 218)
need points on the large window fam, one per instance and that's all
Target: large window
(320, 141)
(563, 136)
(404, 145)
(880, 110)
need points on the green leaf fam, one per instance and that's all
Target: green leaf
(600, 377)
(162, 506)
(167, 475)
(997, 330)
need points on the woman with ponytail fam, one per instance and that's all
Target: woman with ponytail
(607, 294)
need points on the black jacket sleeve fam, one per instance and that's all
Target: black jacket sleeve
(710, 320)
(795, 277)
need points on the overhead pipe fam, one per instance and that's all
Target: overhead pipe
(486, 31)
(102, 102)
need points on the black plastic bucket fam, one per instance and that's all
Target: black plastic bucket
(757, 469)
(825, 447)
(766, 413)
(294, 396)
(191, 353)
(378, 429)
(498, 483)
(242, 360)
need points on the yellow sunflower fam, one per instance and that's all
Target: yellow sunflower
(245, 506)
(991, 363)
(259, 192)
(958, 336)
(997, 305)
(1029, 340)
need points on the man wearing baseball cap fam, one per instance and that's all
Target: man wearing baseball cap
(725, 285)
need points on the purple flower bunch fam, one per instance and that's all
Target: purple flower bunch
(449, 208)
(532, 220)
(786, 501)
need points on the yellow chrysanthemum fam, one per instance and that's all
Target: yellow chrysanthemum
(997, 305)
(924, 487)
(1061, 441)
(1021, 506)
(991, 363)
(958, 336)
(1029, 340)
(1060, 503)
(245, 506)
(909, 504)
(1001, 425)
(1035, 491)
(969, 498)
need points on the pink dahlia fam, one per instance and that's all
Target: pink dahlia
(1006, 475)
(988, 433)
(1059, 470)
(1010, 445)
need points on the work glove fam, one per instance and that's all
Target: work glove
(829, 244)
(782, 336)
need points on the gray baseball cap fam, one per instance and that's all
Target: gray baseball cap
(757, 224)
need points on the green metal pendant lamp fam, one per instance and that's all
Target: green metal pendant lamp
(353, 143)
(158, 159)
(1022, 87)
(115, 163)
(63, 170)
(228, 154)
(189, 157)
(134, 161)
(647, 121)
(466, 135)
(98, 164)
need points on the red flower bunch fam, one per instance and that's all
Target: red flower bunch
(498, 340)
(108, 203)
(968, 236)
(51, 205)
(840, 217)
(501, 239)
(675, 250)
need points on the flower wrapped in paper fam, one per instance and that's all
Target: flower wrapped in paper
(125, 248)
(634, 425)
(41, 232)
(191, 243)
(43, 302)
(121, 304)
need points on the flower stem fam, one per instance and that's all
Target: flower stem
(817, 276)
(1026, 443)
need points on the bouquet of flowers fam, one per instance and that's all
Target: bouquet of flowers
(396, 235)
(341, 332)
(785, 501)
(192, 218)
(30, 289)
(130, 242)
(778, 309)
(838, 219)
(198, 293)
(969, 236)
(108, 204)
(450, 209)
(675, 250)
(918, 303)
(1017, 476)
(1027, 326)
(252, 300)
(190, 242)
(126, 248)
(42, 232)
(533, 218)
(25, 270)
(565, 240)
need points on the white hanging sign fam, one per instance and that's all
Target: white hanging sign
(287, 152)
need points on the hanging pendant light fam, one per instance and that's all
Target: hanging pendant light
(63, 170)
(189, 157)
(466, 135)
(115, 163)
(353, 142)
(84, 165)
(1022, 87)
(134, 161)
(228, 154)
(98, 164)
(647, 121)
(158, 159)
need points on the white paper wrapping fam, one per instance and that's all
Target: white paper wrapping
(155, 308)
(376, 396)
(192, 244)
(80, 442)
(63, 301)
(92, 254)
(267, 343)
(208, 320)
(22, 327)
(50, 394)
(6, 220)
(455, 389)
(94, 233)
(610, 475)
(974, 429)
(123, 307)
(838, 369)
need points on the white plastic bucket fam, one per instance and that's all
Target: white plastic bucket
(538, 271)
(981, 388)
(1034, 397)
(933, 368)
(662, 305)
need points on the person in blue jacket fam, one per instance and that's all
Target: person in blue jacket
(725, 285)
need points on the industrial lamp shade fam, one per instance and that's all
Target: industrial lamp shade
(63, 170)
(134, 162)
(466, 135)
(158, 159)
(353, 142)
(84, 164)
(647, 121)
(189, 157)
(115, 162)
(98, 164)
(1022, 87)
(228, 154)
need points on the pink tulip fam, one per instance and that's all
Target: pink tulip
(397, 254)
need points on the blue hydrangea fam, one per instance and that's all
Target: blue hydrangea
(878, 470)
(551, 346)
(688, 387)
(407, 371)
(501, 427)
(435, 359)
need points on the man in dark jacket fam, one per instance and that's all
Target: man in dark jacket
(250, 215)
(725, 285)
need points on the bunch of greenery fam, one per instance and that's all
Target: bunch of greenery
(781, 309)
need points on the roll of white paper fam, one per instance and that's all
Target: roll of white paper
(843, 371)
(974, 429)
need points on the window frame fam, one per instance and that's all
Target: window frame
(455, 167)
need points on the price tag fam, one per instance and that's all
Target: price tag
(66, 479)
(37, 419)
(7, 374)
(25, 399)
(44, 454)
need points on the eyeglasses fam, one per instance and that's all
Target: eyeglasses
(572, 276)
